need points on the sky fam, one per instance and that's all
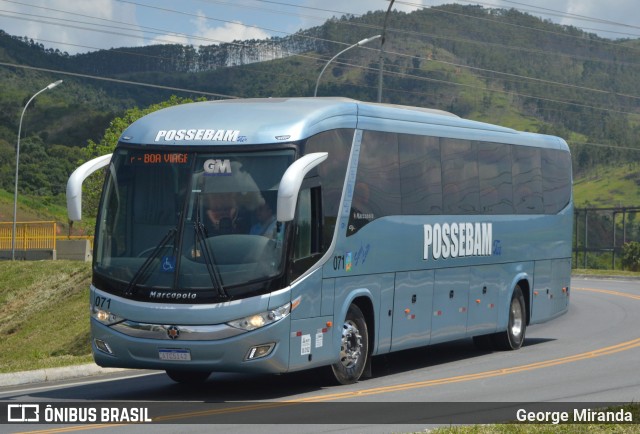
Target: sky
(77, 26)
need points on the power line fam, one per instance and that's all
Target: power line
(219, 95)
(458, 65)
(160, 31)
(235, 4)
(150, 30)
(519, 26)
(116, 80)
(188, 14)
(388, 73)
(575, 16)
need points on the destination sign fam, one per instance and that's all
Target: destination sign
(158, 158)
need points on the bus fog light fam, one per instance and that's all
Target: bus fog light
(260, 351)
(103, 346)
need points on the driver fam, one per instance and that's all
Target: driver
(222, 212)
(266, 221)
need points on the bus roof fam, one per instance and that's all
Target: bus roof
(277, 120)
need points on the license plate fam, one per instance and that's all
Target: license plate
(174, 354)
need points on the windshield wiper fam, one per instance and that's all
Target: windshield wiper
(147, 263)
(209, 259)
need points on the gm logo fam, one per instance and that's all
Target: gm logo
(23, 413)
(217, 167)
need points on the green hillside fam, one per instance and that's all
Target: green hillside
(43, 314)
(39, 208)
(606, 187)
(499, 66)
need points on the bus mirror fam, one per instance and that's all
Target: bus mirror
(291, 182)
(74, 185)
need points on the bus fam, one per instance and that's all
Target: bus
(282, 234)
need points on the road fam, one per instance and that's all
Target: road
(589, 354)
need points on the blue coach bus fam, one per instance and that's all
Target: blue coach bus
(275, 235)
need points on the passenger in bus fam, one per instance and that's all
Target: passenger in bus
(266, 221)
(223, 214)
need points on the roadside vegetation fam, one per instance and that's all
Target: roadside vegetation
(44, 314)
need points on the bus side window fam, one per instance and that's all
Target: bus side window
(527, 180)
(377, 190)
(303, 226)
(308, 231)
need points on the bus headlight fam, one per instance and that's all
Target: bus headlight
(105, 317)
(262, 319)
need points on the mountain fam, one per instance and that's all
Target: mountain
(500, 66)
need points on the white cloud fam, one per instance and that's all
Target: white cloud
(69, 25)
(201, 33)
(227, 32)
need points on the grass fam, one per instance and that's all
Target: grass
(44, 315)
(608, 187)
(605, 273)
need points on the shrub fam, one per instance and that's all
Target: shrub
(631, 256)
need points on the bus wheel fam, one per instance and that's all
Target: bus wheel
(188, 377)
(513, 338)
(354, 348)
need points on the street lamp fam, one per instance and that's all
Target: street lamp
(357, 44)
(384, 35)
(15, 190)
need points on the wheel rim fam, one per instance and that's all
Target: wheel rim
(351, 345)
(516, 319)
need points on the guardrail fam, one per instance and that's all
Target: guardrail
(600, 233)
(34, 236)
(29, 235)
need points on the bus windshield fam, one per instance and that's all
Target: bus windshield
(187, 226)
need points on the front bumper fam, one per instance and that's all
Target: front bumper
(226, 354)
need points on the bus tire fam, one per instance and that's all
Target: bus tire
(188, 377)
(513, 338)
(354, 348)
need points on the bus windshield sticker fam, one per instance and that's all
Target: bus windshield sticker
(168, 264)
(215, 167)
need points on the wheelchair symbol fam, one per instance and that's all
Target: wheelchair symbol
(168, 264)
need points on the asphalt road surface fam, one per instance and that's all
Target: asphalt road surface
(589, 355)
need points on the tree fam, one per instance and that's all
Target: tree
(631, 256)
